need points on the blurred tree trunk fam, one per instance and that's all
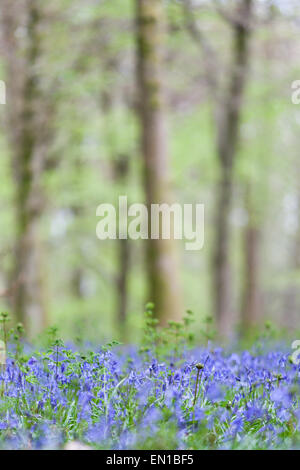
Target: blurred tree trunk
(162, 266)
(78, 271)
(292, 302)
(295, 262)
(121, 170)
(251, 302)
(229, 118)
(28, 138)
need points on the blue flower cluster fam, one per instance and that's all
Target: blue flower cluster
(208, 399)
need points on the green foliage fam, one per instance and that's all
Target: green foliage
(87, 71)
(166, 342)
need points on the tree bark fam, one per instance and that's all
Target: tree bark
(163, 275)
(251, 303)
(292, 303)
(251, 312)
(228, 123)
(121, 168)
(28, 138)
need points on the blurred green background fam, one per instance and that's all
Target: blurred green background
(82, 60)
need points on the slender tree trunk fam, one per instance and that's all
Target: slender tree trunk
(251, 302)
(122, 284)
(222, 267)
(227, 141)
(28, 155)
(162, 267)
(292, 302)
(121, 165)
(124, 251)
(78, 271)
(251, 313)
(296, 249)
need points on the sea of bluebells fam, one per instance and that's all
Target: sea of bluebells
(118, 397)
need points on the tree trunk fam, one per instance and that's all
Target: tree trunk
(251, 302)
(162, 266)
(229, 117)
(222, 267)
(120, 168)
(28, 146)
(292, 303)
(121, 176)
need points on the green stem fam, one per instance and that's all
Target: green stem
(196, 388)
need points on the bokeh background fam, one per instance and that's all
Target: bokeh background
(91, 87)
